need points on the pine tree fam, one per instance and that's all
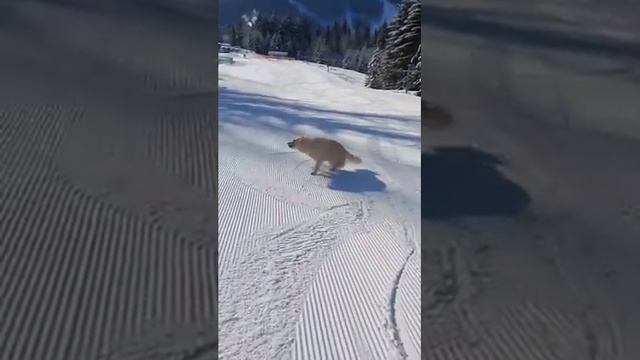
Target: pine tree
(305, 38)
(395, 64)
(364, 55)
(415, 79)
(289, 31)
(392, 74)
(236, 35)
(276, 42)
(378, 63)
(320, 49)
(347, 59)
(404, 43)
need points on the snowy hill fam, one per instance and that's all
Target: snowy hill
(314, 267)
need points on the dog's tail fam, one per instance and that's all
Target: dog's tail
(354, 159)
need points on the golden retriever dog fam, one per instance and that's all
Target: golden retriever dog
(321, 150)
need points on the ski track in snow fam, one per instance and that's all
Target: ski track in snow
(313, 267)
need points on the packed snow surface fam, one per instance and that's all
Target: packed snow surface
(316, 267)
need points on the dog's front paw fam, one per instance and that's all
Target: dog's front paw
(314, 173)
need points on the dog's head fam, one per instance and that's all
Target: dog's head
(292, 144)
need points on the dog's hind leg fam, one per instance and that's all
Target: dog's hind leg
(337, 164)
(316, 168)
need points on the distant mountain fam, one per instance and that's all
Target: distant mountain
(371, 12)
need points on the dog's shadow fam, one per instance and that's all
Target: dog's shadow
(358, 181)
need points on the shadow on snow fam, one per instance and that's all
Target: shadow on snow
(357, 181)
(295, 114)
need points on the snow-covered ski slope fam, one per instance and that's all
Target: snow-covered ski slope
(313, 267)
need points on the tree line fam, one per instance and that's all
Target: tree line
(390, 55)
(397, 62)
